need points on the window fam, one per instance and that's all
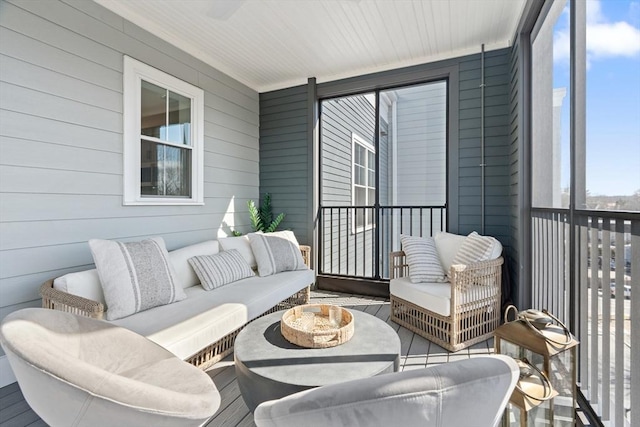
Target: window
(163, 138)
(364, 181)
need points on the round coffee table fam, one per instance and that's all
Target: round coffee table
(270, 367)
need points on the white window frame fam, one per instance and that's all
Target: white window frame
(368, 220)
(134, 73)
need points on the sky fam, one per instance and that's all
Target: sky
(613, 95)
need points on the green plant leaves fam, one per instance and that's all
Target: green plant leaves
(262, 218)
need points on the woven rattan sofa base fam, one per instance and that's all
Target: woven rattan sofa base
(475, 305)
(203, 359)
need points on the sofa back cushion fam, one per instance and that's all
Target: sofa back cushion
(85, 284)
(185, 276)
(242, 245)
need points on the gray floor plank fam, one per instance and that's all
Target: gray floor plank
(23, 419)
(14, 410)
(11, 398)
(247, 421)
(232, 415)
(5, 391)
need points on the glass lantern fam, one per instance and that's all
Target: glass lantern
(552, 350)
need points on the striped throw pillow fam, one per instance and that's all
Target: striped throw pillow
(220, 269)
(475, 248)
(422, 258)
(135, 276)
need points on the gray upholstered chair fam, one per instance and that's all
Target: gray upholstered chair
(77, 371)
(466, 393)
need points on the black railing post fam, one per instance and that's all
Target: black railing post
(377, 241)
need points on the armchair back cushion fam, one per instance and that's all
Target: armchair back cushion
(449, 244)
(78, 371)
(448, 395)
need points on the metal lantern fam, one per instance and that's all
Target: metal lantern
(551, 349)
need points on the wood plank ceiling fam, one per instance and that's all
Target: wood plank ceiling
(272, 44)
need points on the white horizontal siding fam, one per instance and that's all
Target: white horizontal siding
(421, 133)
(61, 143)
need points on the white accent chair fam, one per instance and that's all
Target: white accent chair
(454, 315)
(467, 393)
(77, 371)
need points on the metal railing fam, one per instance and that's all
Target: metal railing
(606, 299)
(355, 241)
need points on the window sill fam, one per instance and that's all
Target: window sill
(160, 202)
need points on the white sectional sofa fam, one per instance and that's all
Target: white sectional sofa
(201, 328)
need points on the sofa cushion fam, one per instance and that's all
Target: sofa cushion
(447, 245)
(84, 284)
(422, 258)
(276, 252)
(220, 269)
(135, 276)
(185, 275)
(242, 245)
(187, 326)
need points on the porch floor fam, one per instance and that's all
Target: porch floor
(416, 353)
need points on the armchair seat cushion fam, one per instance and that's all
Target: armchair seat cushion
(435, 297)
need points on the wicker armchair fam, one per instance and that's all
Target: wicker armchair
(474, 310)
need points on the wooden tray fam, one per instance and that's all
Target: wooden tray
(316, 326)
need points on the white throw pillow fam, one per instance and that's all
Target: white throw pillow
(135, 276)
(276, 252)
(422, 258)
(475, 248)
(242, 245)
(221, 268)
